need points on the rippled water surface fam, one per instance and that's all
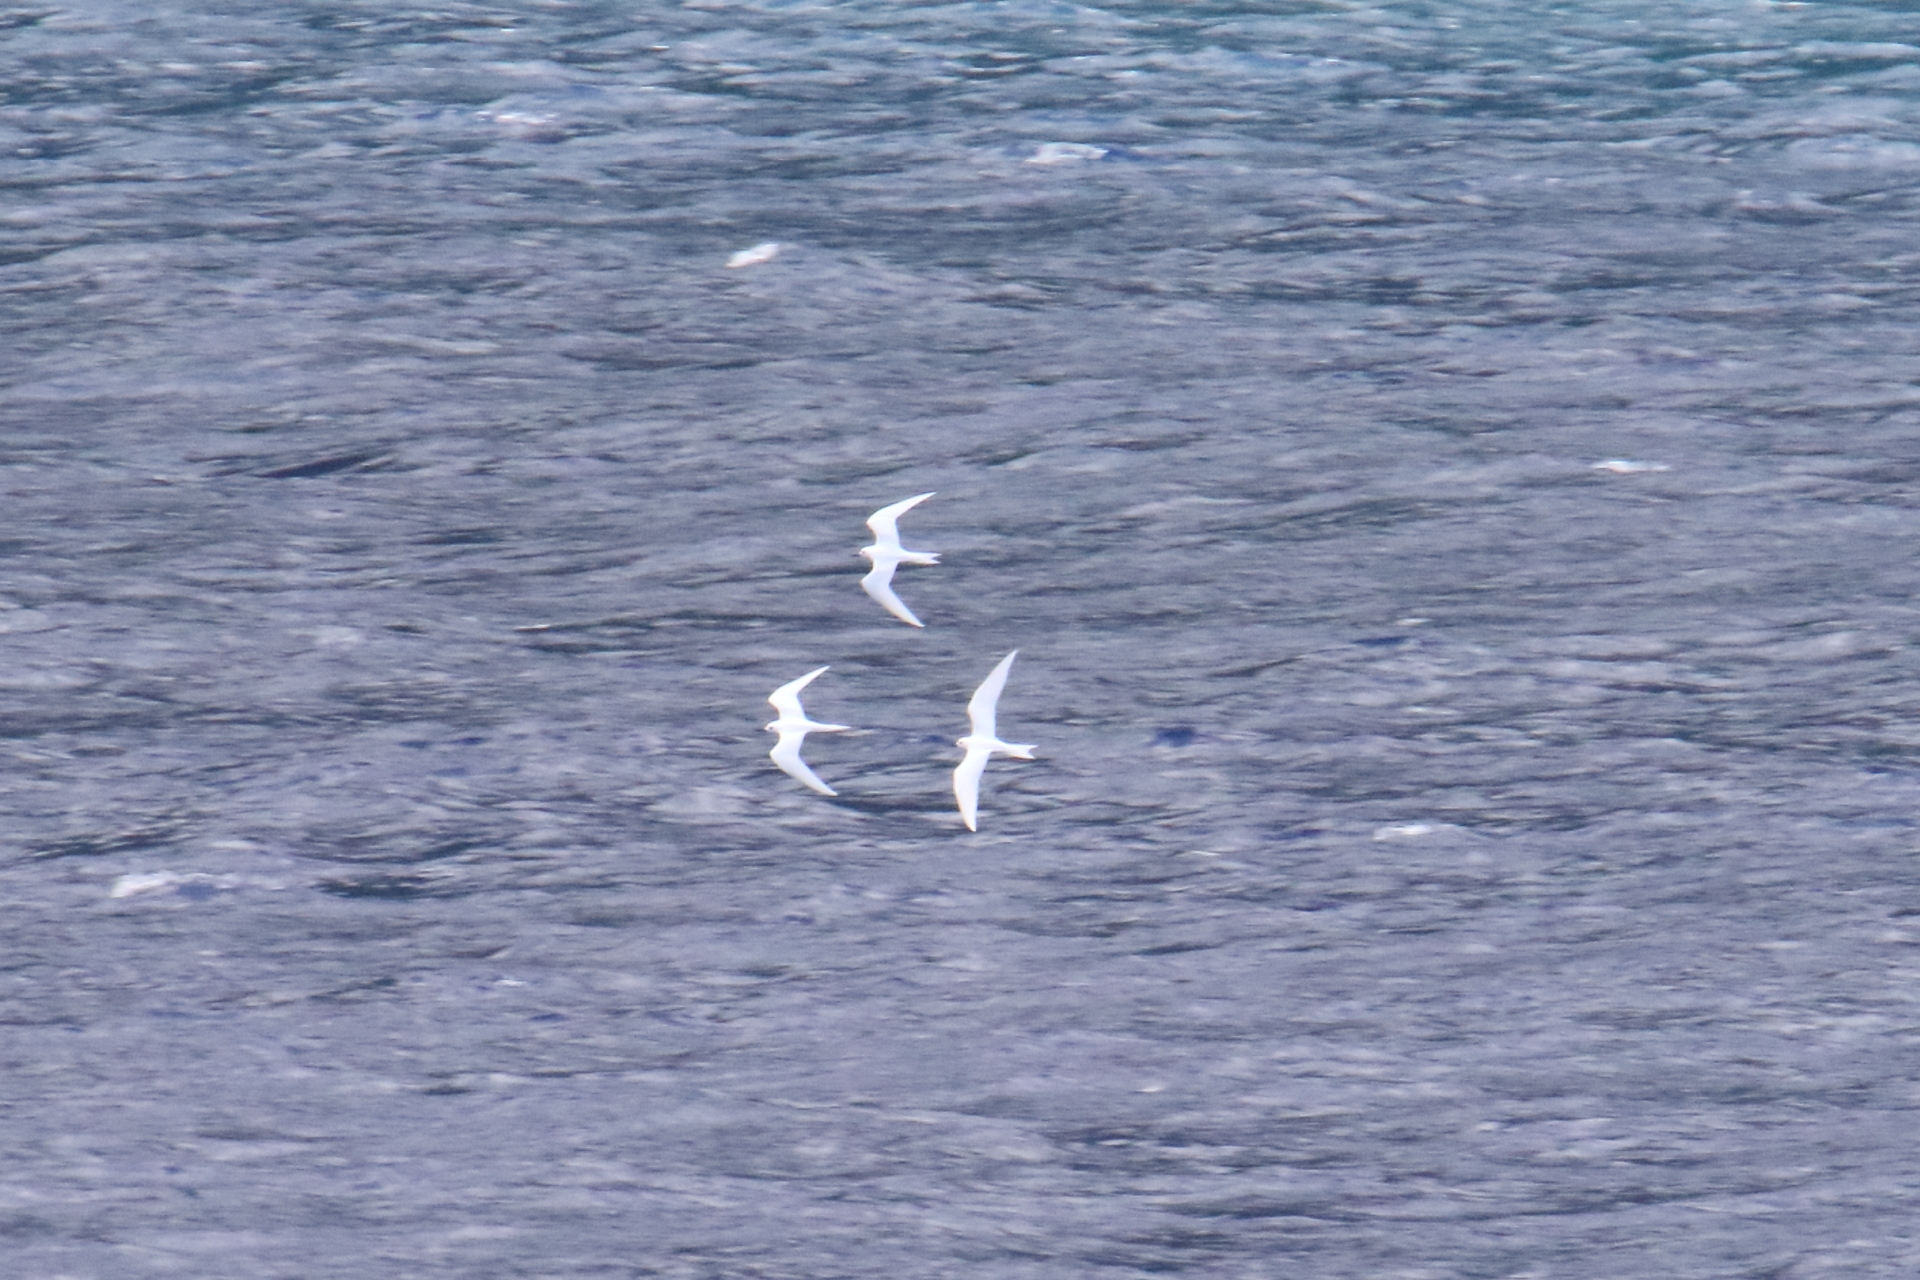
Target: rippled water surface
(1451, 472)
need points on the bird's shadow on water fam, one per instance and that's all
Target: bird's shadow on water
(878, 806)
(394, 887)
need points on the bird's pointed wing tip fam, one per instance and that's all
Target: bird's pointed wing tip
(900, 508)
(794, 767)
(883, 595)
(787, 697)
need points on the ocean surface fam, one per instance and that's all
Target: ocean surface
(1452, 474)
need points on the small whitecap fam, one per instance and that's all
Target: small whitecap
(1628, 466)
(1790, 206)
(139, 882)
(535, 126)
(1405, 831)
(764, 252)
(1854, 151)
(16, 620)
(1065, 153)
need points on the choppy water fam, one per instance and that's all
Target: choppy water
(1446, 858)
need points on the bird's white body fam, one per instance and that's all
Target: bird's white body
(793, 728)
(983, 740)
(887, 554)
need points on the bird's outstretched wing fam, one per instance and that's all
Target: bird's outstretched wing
(786, 699)
(966, 786)
(786, 754)
(879, 584)
(885, 522)
(983, 706)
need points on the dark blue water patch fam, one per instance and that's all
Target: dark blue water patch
(91, 846)
(465, 538)
(356, 991)
(1178, 735)
(1381, 642)
(1176, 948)
(300, 469)
(1254, 1208)
(25, 1224)
(605, 918)
(372, 849)
(391, 887)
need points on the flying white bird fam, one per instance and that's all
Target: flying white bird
(983, 741)
(793, 728)
(887, 554)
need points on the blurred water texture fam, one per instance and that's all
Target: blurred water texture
(1450, 470)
